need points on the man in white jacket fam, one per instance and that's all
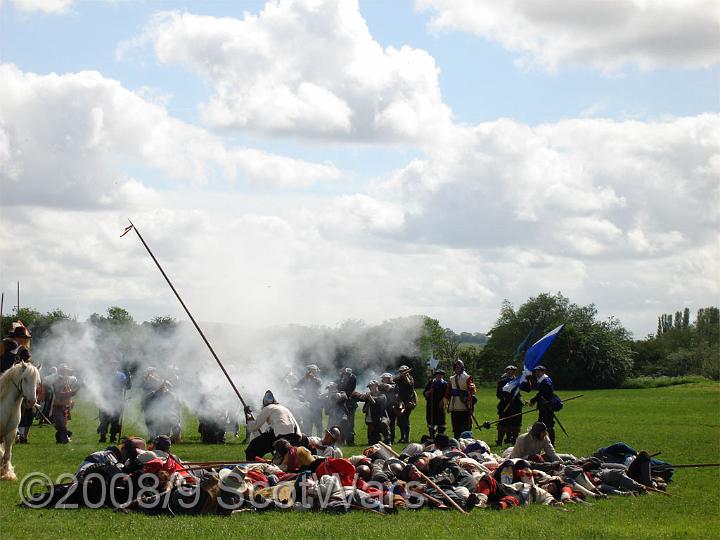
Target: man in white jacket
(280, 422)
(532, 443)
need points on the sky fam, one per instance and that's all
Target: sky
(314, 161)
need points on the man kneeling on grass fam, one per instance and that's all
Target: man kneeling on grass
(532, 443)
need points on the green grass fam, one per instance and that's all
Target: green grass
(683, 422)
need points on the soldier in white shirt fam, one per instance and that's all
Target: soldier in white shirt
(280, 423)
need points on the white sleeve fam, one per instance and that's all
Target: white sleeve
(255, 425)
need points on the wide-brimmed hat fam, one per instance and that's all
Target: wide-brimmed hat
(386, 375)
(233, 480)
(312, 367)
(439, 371)
(508, 368)
(403, 369)
(19, 330)
(539, 368)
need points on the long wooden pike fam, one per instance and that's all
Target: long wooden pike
(690, 465)
(656, 490)
(432, 484)
(488, 423)
(197, 327)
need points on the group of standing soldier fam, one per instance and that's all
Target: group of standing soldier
(386, 405)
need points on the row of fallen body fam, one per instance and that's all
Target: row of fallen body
(444, 473)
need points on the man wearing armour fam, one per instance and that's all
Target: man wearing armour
(545, 398)
(346, 384)
(407, 401)
(309, 389)
(389, 389)
(64, 389)
(434, 393)
(112, 408)
(509, 405)
(460, 397)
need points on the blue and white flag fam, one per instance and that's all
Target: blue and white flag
(532, 359)
(432, 361)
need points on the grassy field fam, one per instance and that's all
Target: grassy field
(683, 422)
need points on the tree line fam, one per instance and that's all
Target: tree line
(589, 353)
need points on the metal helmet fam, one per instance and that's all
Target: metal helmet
(268, 398)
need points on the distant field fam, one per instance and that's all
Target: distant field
(682, 422)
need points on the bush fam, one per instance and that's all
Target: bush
(658, 382)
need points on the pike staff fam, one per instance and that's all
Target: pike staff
(487, 424)
(197, 327)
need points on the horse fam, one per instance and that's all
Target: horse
(18, 382)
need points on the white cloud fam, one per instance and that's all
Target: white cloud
(303, 67)
(586, 186)
(631, 226)
(604, 34)
(54, 7)
(265, 169)
(66, 140)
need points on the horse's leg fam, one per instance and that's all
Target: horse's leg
(6, 469)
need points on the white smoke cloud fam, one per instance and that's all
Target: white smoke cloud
(257, 360)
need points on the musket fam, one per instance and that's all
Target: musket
(197, 327)
(688, 465)
(560, 424)
(39, 411)
(122, 414)
(656, 490)
(488, 423)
